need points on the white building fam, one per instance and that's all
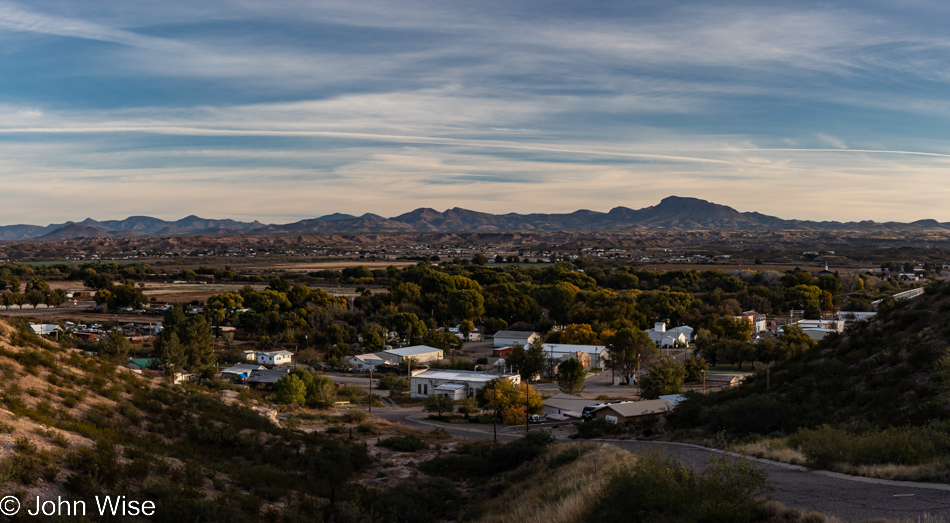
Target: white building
(509, 338)
(558, 351)
(420, 354)
(273, 357)
(45, 329)
(456, 384)
(836, 325)
(663, 338)
(368, 362)
(757, 320)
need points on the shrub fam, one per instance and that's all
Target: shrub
(596, 428)
(659, 488)
(392, 382)
(410, 443)
(353, 416)
(485, 459)
(827, 446)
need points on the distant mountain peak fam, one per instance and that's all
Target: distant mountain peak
(671, 213)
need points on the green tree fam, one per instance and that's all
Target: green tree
(627, 348)
(192, 337)
(321, 392)
(438, 403)
(409, 326)
(35, 297)
(665, 377)
(291, 390)
(115, 347)
(695, 367)
(570, 376)
(172, 353)
(56, 298)
(442, 340)
(529, 361)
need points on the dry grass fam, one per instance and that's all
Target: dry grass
(564, 494)
(900, 472)
(775, 449)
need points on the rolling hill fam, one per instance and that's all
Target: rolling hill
(673, 213)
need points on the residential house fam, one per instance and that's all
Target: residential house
(369, 362)
(144, 363)
(267, 376)
(592, 356)
(561, 405)
(275, 357)
(240, 371)
(457, 384)
(632, 410)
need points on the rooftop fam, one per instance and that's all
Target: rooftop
(461, 375)
(513, 334)
(413, 351)
(565, 347)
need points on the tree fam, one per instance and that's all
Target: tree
(557, 298)
(466, 304)
(577, 334)
(442, 340)
(438, 403)
(628, 348)
(570, 376)
(172, 353)
(409, 326)
(192, 341)
(56, 298)
(466, 327)
(291, 390)
(115, 347)
(665, 377)
(529, 361)
(102, 298)
(507, 400)
(479, 259)
(35, 297)
(695, 367)
(737, 351)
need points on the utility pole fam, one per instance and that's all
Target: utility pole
(371, 390)
(494, 417)
(527, 426)
(638, 374)
(768, 378)
(704, 382)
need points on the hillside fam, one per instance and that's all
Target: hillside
(877, 396)
(75, 426)
(673, 213)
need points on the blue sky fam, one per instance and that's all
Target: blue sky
(280, 111)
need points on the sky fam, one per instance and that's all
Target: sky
(287, 110)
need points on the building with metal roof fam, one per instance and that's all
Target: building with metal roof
(418, 353)
(426, 383)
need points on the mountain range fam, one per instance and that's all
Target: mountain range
(672, 213)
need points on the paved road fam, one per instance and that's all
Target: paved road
(849, 498)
